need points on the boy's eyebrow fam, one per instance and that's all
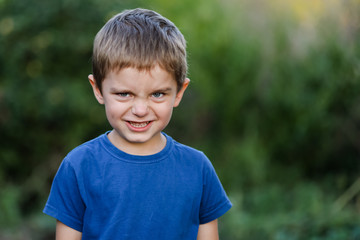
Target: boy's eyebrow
(168, 89)
(113, 89)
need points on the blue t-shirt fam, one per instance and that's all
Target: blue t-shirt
(106, 193)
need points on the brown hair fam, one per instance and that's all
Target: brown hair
(141, 39)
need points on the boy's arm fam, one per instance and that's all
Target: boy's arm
(64, 232)
(208, 231)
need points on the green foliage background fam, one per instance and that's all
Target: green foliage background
(274, 102)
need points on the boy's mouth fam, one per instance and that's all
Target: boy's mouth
(139, 124)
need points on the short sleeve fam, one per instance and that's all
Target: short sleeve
(214, 202)
(65, 202)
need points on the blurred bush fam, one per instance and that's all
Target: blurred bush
(273, 102)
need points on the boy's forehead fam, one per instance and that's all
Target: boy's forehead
(155, 75)
(153, 71)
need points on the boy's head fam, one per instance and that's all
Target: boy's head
(140, 39)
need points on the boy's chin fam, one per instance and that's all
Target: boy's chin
(138, 142)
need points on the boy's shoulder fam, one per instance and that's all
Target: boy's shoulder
(181, 147)
(189, 153)
(100, 147)
(85, 150)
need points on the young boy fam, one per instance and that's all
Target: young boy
(136, 182)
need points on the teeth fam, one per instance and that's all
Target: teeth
(139, 125)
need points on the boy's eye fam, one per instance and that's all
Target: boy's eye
(124, 94)
(158, 95)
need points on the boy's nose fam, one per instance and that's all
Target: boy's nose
(140, 108)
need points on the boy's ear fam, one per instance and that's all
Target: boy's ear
(96, 90)
(180, 94)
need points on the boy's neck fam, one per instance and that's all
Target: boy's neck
(155, 145)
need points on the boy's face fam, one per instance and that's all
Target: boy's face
(138, 106)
